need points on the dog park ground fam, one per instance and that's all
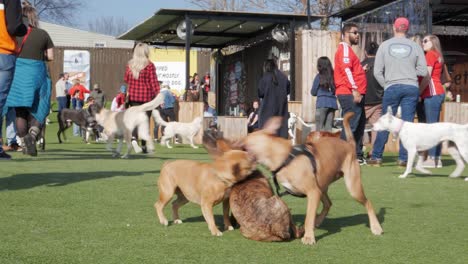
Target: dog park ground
(74, 203)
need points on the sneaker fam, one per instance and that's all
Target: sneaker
(4, 156)
(362, 161)
(136, 148)
(401, 163)
(29, 145)
(374, 162)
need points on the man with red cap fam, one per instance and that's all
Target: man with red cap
(398, 63)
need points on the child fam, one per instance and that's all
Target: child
(118, 103)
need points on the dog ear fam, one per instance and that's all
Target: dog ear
(272, 125)
(389, 110)
(223, 145)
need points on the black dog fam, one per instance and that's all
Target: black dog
(84, 118)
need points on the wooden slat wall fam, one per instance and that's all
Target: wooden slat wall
(232, 127)
(315, 44)
(187, 112)
(456, 113)
(107, 68)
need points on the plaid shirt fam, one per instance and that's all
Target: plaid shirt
(145, 88)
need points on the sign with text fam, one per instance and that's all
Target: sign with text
(77, 64)
(172, 74)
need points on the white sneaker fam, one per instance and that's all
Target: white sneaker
(136, 147)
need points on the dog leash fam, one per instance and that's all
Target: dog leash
(295, 151)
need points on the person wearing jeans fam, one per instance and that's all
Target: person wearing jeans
(351, 85)
(398, 63)
(396, 95)
(11, 26)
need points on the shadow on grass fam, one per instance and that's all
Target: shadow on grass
(31, 180)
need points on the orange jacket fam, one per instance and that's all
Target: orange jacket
(11, 25)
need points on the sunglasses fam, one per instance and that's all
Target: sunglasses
(426, 41)
(354, 32)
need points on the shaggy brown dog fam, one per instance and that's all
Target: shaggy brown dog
(202, 183)
(262, 216)
(334, 158)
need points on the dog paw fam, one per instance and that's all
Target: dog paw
(402, 176)
(308, 240)
(164, 222)
(377, 230)
(169, 147)
(423, 170)
(177, 221)
(456, 175)
(124, 156)
(466, 179)
(229, 228)
(195, 147)
(219, 233)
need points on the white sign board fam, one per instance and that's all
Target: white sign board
(77, 64)
(172, 74)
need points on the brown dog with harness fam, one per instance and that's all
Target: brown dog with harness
(334, 158)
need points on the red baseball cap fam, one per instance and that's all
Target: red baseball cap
(401, 23)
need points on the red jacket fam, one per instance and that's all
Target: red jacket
(348, 73)
(82, 90)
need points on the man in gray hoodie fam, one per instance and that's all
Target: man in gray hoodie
(398, 63)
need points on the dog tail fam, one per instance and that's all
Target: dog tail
(347, 128)
(157, 101)
(157, 117)
(302, 122)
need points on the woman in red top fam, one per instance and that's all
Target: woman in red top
(142, 81)
(433, 93)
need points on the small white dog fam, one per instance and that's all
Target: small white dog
(292, 121)
(418, 137)
(186, 130)
(120, 125)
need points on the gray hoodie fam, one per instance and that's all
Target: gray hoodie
(399, 61)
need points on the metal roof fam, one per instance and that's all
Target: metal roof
(212, 29)
(444, 12)
(63, 36)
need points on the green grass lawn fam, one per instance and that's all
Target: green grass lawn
(76, 204)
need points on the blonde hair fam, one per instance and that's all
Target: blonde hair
(436, 46)
(139, 60)
(417, 39)
(30, 12)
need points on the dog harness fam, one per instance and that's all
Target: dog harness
(295, 151)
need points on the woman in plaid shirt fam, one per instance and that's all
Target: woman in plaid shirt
(142, 81)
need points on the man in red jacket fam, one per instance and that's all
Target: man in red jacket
(351, 84)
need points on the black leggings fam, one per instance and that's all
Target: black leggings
(24, 121)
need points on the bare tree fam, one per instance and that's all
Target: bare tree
(113, 26)
(59, 11)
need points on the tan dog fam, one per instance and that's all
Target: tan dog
(262, 216)
(334, 158)
(316, 135)
(205, 184)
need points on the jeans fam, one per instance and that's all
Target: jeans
(432, 107)
(396, 95)
(324, 119)
(7, 70)
(62, 102)
(357, 123)
(77, 105)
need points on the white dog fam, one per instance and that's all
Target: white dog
(186, 130)
(120, 125)
(418, 137)
(292, 120)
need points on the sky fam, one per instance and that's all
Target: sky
(133, 11)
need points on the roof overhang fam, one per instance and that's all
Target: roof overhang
(444, 12)
(212, 29)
